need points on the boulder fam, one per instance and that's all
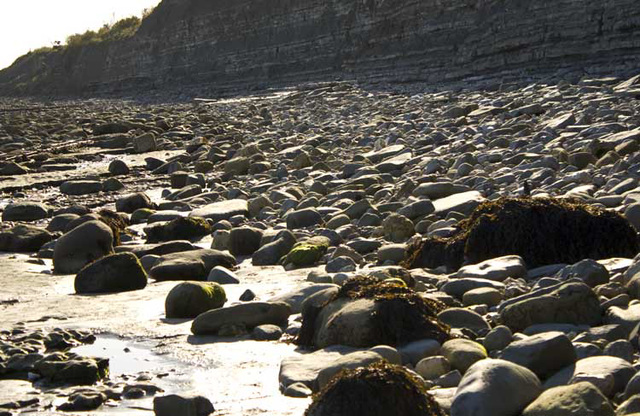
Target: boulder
(190, 265)
(271, 253)
(144, 143)
(248, 315)
(180, 228)
(24, 238)
(307, 253)
(462, 353)
(497, 269)
(570, 302)
(190, 299)
(464, 318)
(120, 272)
(544, 354)
(297, 297)
(581, 398)
(303, 218)
(495, 388)
(350, 361)
(222, 210)
(81, 246)
(118, 167)
(244, 241)
(25, 211)
(132, 202)
(223, 276)
(397, 228)
(173, 405)
(81, 187)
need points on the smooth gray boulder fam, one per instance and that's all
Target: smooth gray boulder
(544, 354)
(222, 210)
(24, 238)
(80, 187)
(271, 253)
(120, 272)
(580, 399)
(248, 315)
(609, 374)
(495, 388)
(190, 265)
(81, 246)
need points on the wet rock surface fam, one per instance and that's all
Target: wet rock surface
(484, 240)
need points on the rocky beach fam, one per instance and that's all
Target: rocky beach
(328, 249)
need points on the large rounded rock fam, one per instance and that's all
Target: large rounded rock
(244, 241)
(172, 405)
(81, 246)
(271, 253)
(80, 187)
(463, 353)
(307, 253)
(61, 221)
(544, 354)
(303, 218)
(190, 265)
(248, 315)
(497, 269)
(24, 238)
(580, 399)
(398, 228)
(133, 202)
(25, 211)
(571, 302)
(495, 388)
(120, 272)
(190, 299)
(464, 318)
(181, 228)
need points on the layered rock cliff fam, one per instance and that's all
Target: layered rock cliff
(226, 42)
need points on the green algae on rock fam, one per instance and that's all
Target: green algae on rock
(190, 299)
(306, 253)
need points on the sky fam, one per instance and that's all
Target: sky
(30, 24)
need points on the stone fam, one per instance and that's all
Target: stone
(630, 407)
(187, 300)
(266, 332)
(144, 143)
(464, 318)
(495, 388)
(173, 405)
(223, 276)
(82, 245)
(392, 253)
(609, 374)
(306, 253)
(544, 354)
(222, 210)
(431, 368)
(190, 265)
(118, 167)
(349, 361)
(304, 368)
(463, 353)
(570, 302)
(24, 238)
(60, 222)
(458, 287)
(482, 296)
(271, 253)
(397, 228)
(415, 351)
(249, 315)
(12, 168)
(179, 228)
(632, 214)
(498, 338)
(244, 241)
(303, 218)
(576, 399)
(120, 272)
(84, 401)
(417, 209)
(297, 297)
(25, 211)
(80, 187)
(463, 202)
(58, 368)
(237, 166)
(341, 264)
(497, 269)
(112, 185)
(589, 271)
(132, 202)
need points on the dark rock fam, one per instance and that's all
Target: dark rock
(24, 238)
(82, 245)
(190, 299)
(190, 265)
(244, 241)
(174, 405)
(25, 211)
(114, 273)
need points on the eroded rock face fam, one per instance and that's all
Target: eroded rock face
(484, 37)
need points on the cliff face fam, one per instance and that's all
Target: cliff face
(259, 41)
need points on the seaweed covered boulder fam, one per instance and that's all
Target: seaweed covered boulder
(366, 312)
(379, 389)
(540, 230)
(307, 253)
(190, 299)
(181, 228)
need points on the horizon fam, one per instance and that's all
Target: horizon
(23, 30)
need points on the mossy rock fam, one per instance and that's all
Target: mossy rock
(306, 253)
(181, 228)
(141, 215)
(380, 389)
(189, 299)
(540, 230)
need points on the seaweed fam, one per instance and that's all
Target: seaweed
(540, 230)
(380, 389)
(401, 315)
(116, 222)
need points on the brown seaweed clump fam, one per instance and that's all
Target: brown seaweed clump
(380, 389)
(540, 230)
(401, 315)
(116, 222)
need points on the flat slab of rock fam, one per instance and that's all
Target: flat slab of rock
(464, 203)
(305, 368)
(497, 269)
(248, 315)
(222, 210)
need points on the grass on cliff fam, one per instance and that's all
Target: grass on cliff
(122, 29)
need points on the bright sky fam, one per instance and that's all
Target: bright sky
(29, 24)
